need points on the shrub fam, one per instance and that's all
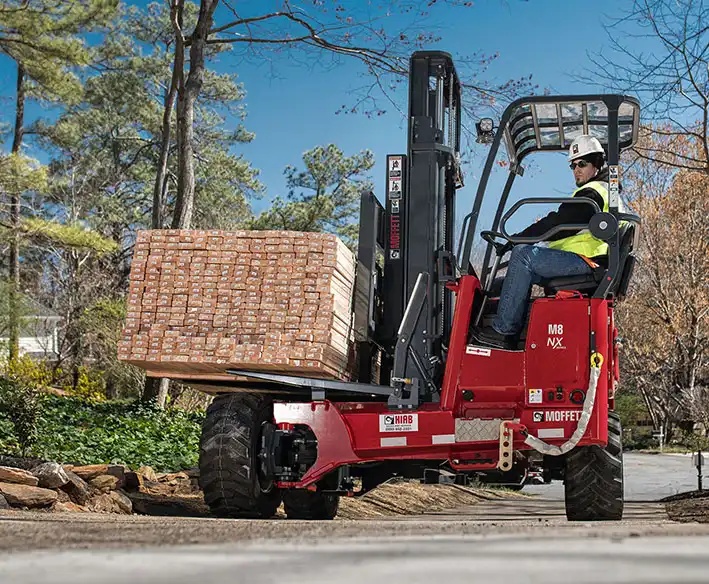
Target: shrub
(28, 372)
(78, 431)
(89, 384)
(22, 404)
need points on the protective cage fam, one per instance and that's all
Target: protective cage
(553, 126)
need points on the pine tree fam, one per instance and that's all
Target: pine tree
(42, 38)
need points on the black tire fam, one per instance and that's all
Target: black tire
(302, 504)
(228, 458)
(593, 479)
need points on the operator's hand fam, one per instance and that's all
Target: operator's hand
(505, 248)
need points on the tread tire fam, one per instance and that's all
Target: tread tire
(228, 457)
(593, 481)
(302, 504)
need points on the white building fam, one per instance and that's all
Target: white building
(38, 334)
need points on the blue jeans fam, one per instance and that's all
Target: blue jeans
(530, 264)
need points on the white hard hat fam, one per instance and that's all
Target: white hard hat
(583, 146)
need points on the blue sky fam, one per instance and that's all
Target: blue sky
(294, 110)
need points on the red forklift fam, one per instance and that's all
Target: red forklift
(427, 402)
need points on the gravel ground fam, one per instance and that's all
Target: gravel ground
(21, 531)
(476, 513)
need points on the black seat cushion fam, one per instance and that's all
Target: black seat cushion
(585, 283)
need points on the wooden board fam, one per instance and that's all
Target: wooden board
(201, 302)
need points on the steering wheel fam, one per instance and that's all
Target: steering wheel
(492, 236)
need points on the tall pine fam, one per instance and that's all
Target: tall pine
(43, 38)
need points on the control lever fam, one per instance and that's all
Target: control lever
(500, 250)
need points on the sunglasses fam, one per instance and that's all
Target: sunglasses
(580, 164)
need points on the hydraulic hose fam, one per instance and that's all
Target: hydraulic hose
(545, 448)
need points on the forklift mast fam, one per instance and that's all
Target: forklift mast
(417, 226)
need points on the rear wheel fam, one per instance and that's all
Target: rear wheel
(230, 475)
(303, 504)
(593, 480)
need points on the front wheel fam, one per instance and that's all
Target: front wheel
(593, 479)
(230, 469)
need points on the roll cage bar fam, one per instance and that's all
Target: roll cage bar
(551, 123)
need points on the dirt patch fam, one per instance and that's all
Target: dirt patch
(388, 500)
(413, 498)
(688, 507)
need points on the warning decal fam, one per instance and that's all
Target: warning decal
(471, 350)
(398, 422)
(535, 396)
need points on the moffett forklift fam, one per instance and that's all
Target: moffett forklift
(427, 401)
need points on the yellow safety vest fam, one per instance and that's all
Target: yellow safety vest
(583, 243)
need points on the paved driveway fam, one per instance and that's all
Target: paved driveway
(648, 477)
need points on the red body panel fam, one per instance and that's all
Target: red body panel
(535, 386)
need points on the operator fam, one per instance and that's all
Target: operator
(567, 255)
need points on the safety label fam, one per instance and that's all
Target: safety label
(395, 188)
(398, 422)
(535, 396)
(394, 165)
(471, 350)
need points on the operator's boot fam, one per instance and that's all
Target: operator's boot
(489, 337)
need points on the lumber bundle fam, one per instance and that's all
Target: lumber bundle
(201, 302)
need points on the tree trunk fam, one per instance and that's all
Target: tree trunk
(73, 329)
(186, 98)
(15, 287)
(187, 94)
(163, 386)
(160, 177)
(156, 389)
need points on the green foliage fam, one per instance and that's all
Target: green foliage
(22, 405)
(74, 430)
(638, 439)
(42, 35)
(70, 236)
(694, 441)
(100, 326)
(323, 197)
(106, 149)
(631, 409)
(87, 384)
(22, 399)
(28, 372)
(20, 173)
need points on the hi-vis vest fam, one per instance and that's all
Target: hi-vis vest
(583, 243)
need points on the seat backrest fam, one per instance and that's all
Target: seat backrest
(626, 260)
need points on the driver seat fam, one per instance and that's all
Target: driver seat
(587, 284)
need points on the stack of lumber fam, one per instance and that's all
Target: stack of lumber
(201, 302)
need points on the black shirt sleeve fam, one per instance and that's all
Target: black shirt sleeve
(567, 213)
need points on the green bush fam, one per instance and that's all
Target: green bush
(77, 431)
(638, 439)
(21, 404)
